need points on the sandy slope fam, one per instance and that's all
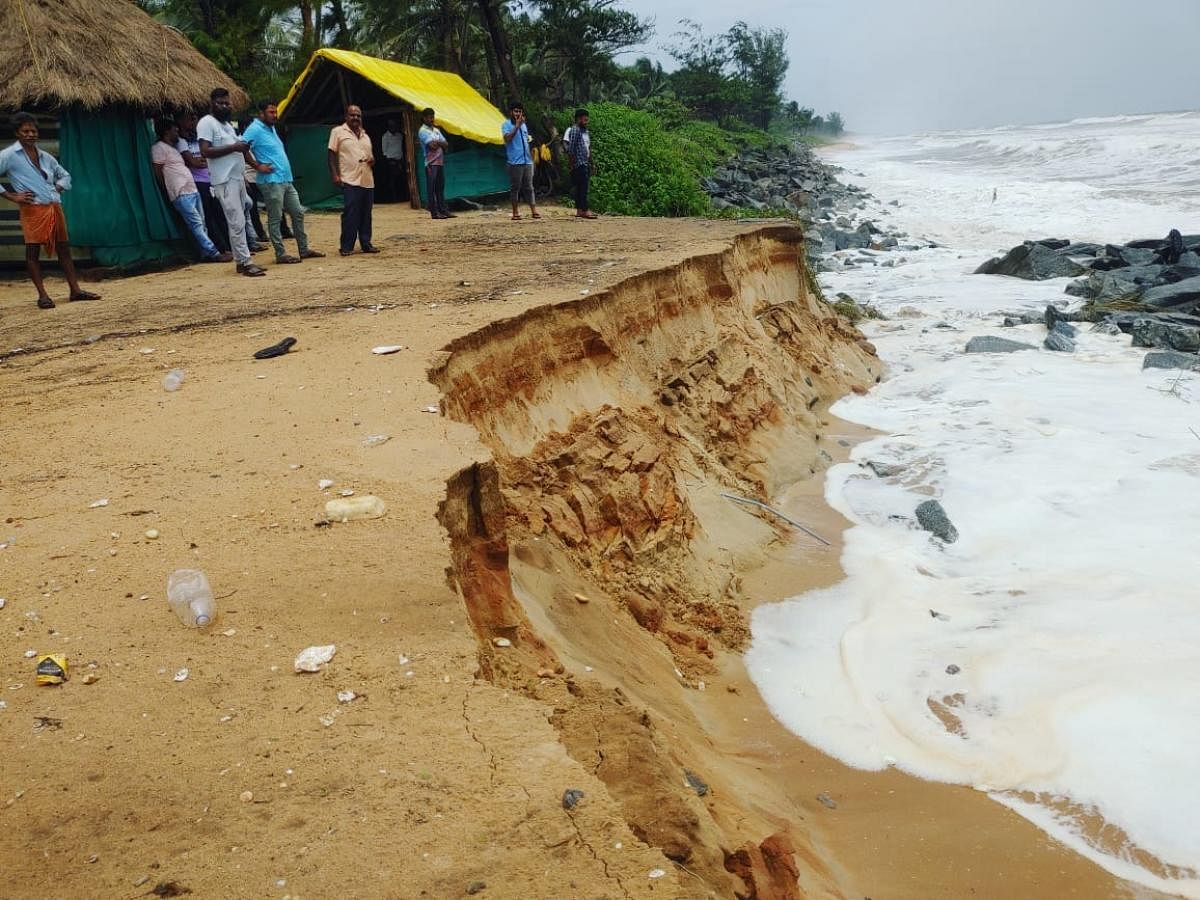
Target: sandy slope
(435, 777)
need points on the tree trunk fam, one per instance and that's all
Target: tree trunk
(308, 30)
(339, 17)
(493, 20)
(208, 17)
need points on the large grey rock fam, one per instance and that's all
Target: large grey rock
(1153, 332)
(1167, 296)
(1059, 342)
(932, 517)
(1171, 359)
(989, 344)
(850, 240)
(1035, 262)
(1121, 284)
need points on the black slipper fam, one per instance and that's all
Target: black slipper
(276, 349)
(45, 303)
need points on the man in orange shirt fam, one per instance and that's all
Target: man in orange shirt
(352, 168)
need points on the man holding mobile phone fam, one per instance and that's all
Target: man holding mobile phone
(520, 160)
(352, 168)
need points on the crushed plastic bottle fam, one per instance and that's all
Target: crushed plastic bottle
(191, 598)
(173, 380)
(345, 509)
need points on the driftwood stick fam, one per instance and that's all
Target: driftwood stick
(812, 534)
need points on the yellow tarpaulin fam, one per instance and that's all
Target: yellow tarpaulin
(460, 108)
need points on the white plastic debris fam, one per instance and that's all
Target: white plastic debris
(96, 504)
(182, 675)
(387, 349)
(324, 483)
(656, 873)
(346, 696)
(311, 659)
(152, 534)
(502, 642)
(432, 409)
(30, 654)
(345, 510)
(2, 602)
(346, 492)
(375, 440)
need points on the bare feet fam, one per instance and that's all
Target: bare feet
(81, 295)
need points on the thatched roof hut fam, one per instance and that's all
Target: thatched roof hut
(97, 53)
(95, 72)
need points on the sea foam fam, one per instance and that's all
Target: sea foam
(1051, 656)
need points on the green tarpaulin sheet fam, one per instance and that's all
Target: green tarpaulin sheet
(472, 172)
(115, 206)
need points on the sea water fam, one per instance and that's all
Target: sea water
(1051, 656)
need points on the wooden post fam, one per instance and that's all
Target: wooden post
(341, 80)
(410, 150)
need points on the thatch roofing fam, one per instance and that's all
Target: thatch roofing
(97, 53)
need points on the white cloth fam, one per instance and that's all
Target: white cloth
(393, 145)
(221, 134)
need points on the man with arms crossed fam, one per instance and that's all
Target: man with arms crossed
(226, 152)
(434, 144)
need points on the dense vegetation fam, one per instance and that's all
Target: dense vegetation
(656, 131)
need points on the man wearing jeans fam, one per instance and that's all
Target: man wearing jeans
(433, 142)
(352, 168)
(225, 152)
(276, 186)
(181, 189)
(579, 151)
(520, 160)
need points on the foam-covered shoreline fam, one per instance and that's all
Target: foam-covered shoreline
(1032, 658)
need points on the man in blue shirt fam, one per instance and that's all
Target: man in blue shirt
(520, 160)
(276, 186)
(35, 179)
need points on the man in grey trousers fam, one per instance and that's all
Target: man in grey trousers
(226, 154)
(279, 193)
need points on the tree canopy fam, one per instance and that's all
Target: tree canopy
(554, 54)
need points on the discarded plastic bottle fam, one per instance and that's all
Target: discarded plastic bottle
(190, 597)
(349, 508)
(173, 380)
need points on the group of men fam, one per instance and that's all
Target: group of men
(208, 171)
(204, 167)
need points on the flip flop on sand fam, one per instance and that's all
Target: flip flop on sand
(276, 349)
(80, 296)
(45, 303)
(536, 216)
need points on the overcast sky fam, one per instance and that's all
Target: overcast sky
(898, 66)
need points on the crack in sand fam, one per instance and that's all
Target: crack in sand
(491, 757)
(612, 876)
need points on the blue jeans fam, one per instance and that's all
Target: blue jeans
(188, 206)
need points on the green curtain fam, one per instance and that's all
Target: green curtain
(306, 149)
(115, 206)
(474, 172)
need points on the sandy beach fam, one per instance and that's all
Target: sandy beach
(547, 472)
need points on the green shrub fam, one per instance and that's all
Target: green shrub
(704, 146)
(641, 169)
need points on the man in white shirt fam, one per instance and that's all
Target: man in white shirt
(393, 157)
(226, 153)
